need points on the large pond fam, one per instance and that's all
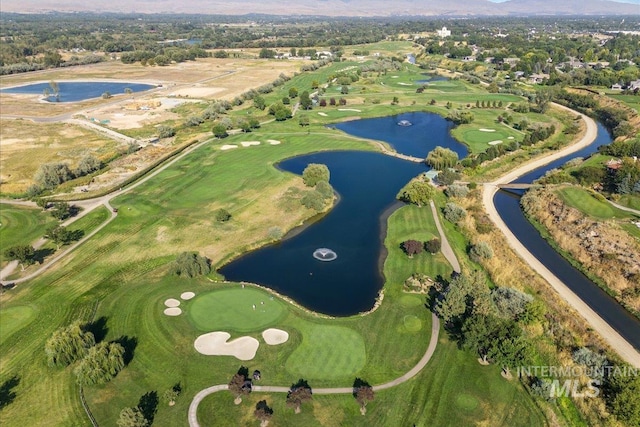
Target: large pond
(367, 184)
(77, 91)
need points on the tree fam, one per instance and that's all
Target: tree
(364, 395)
(315, 173)
(106, 95)
(325, 189)
(441, 158)
(68, 344)
(222, 215)
(42, 203)
(263, 413)
(50, 175)
(447, 176)
(132, 417)
(313, 199)
(238, 387)
(305, 101)
(293, 92)
(412, 247)
(166, 131)
(624, 398)
(454, 213)
(87, 165)
(219, 130)
(171, 395)
(303, 120)
(24, 254)
(190, 264)
(101, 364)
(511, 303)
(299, 394)
(259, 102)
(61, 210)
(59, 235)
(433, 246)
(344, 90)
(417, 192)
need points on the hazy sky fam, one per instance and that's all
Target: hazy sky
(619, 1)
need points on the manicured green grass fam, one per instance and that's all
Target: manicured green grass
(15, 318)
(630, 201)
(632, 101)
(232, 309)
(21, 225)
(328, 352)
(589, 204)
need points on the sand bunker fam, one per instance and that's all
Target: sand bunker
(172, 311)
(215, 344)
(322, 114)
(486, 130)
(394, 77)
(187, 295)
(172, 302)
(511, 137)
(249, 143)
(274, 142)
(350, 109)
(495, 142)
(405, 84)
(228, 147)
(274, 336)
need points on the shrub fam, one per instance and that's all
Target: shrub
(433, 246)
(166, 131)
(447, 176)
(480, 251)
(190, 264)
(454, 213)
(68, 344)
(511, 303)
(457, 190)
(312, 199)
(50, 175)
(222, 215)
(325, 189)
(315, 173)
(417, 192)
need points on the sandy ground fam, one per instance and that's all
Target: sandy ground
(217, 344)
(613, 338)
(274, 336)
(487, 130)
(496, 142)
(172, 302)
(274, 142)
(350, 109)
(187, 295)
(322, 114)
(173, 311)
(249, 143)
(228, 147)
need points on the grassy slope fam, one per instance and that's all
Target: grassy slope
(21, 226)
(588, 204)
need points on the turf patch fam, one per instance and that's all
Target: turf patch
(328, 352)
(14, 318)
(233, 309)
(412, 323)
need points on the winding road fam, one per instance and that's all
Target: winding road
(610, 335)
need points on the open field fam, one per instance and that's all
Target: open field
(587, 203)
(21, 226)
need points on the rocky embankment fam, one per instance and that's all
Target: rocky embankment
(602, 247)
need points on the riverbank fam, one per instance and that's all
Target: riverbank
(611, 336)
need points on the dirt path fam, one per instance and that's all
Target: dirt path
(613, 338)
(445, 247)
(624, 208)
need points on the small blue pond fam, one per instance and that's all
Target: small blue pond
(78, 91)
(432, 78)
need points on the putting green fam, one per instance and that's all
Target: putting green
(14, 318)
(232, 310)
(412, 323)
(328, 352)
(476, 136)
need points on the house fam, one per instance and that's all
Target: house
(616, 86)
(635, 84)
(511, 61)
(538, 78)
(613, 164)
(324, 54)
(443, 32)
(469, 58)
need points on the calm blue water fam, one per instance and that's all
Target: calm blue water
(432, 79)
(508, 205)
(428, 130)
(79, 91)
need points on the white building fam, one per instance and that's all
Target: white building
(443, 32)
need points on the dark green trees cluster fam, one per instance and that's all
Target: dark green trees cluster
(50, 175)
(190, 264)
(413, 247)
(98, 363)
(24, 254)
(316, 176)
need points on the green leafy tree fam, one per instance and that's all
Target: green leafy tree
(303, 120)
(293, 92)
(624, 398)
(315, 173)
(433, 246)
(412, 247)
(24, 254)
(87, 165)
(61, 210)
(190, 264)
(441, 158)
(59, 235)
(219, 130)
(299, 394)
(325, 189)
(259, 102)
(101, 364)
(305, 101)
(238, 387)
(364, 395)
(50, 175)
(166, 131)
(417, 192)
(313, 199)
(223, 215)
(132, 417)
(68, 344)
(263, 413)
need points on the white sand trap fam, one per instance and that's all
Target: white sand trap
(249, 143)
(274, 142)
(486, 130)
(405, 84)
(274, 336)
(511, 137)
(172, 302)
(495, 142)
(215, 344)
(322, 114)
(394, 77)
(187, 295)
(172, 311)
(228, 147)
(350, 109)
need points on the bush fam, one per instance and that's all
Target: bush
(480, 251)
(454, 213)
(222, 215)
(68, 344)
(325, 189)
(315, 173)
(417, 192)
(312, 199)
(511, 303)
(87, 165)
(457, 190)
(433, 246)
(50, 175)
(190, 264)
(166, 131)
(101, 364)
(447, 176)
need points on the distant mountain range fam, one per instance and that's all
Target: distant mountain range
(333, 7)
